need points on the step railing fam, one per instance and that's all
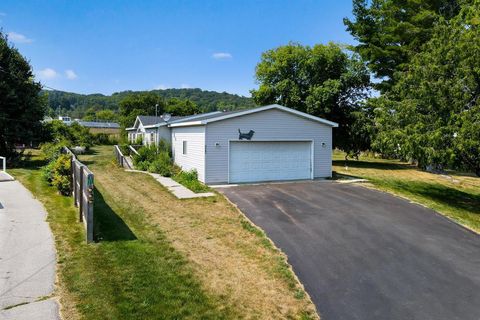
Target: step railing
(121, 159)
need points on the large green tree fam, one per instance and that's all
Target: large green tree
(181, 107)
(21, 107)
(391, 32)
(324, 80)
(137, 104)
(432, 114)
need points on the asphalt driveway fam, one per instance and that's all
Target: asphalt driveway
(364, 254)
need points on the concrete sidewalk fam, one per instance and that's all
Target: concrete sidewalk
(27, 257)
(176, 188)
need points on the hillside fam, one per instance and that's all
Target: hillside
(75, 104)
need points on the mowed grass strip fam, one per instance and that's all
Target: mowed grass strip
(158, 257)
(455, 195)
(134, 273)
(233, 259)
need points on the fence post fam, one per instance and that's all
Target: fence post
(89, 189)
(80, 199)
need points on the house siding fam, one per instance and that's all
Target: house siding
(268, 125)
(195, 157)
(164, 132)
(148, 138)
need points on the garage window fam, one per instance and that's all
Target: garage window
(184, 147)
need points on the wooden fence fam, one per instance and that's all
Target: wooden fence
(82, 190)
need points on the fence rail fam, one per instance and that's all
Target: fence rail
(132, 149)
(82, 189)
(121, 159)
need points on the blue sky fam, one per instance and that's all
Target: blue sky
(110, 46)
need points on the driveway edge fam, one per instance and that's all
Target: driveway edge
(290, 268)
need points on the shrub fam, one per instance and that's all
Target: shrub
(47, 172)
(62, 183)
(57, 173)
(50, 150)
(125, 149)
(145, 154)
(190, 180)
(104, 139)
(161, 165)
(165, 146)
(142, 165)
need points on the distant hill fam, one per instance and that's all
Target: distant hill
(75, 105)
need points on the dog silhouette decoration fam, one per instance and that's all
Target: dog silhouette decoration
(247, 136)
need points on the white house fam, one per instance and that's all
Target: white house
(262, 144)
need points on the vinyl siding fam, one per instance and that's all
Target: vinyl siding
(147, 137)
(268, 125)
(195, 157)
(164, 133)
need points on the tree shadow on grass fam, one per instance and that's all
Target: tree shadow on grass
(439, 193)
(108, 226)
(373, 165)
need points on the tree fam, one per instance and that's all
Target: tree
(178, 107)
(106, 115)
(431, 115)
(324, 81)
(391, 32)
(134, 105)
(21, 106)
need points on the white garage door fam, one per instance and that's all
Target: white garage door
(252, 161)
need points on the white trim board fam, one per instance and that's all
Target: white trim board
(255, 110)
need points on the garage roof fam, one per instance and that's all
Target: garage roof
(207, 118)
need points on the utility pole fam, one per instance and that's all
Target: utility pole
(156, 110)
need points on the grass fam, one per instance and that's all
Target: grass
(455, 195)
(160, 258)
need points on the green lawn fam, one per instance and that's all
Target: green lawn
(157, 257)
(455, 195)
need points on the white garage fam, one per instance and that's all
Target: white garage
(270, 143)
(254, 161)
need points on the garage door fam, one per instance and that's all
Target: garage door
(252, 161)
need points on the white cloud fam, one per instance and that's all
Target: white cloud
(47, 74)
(161, 87)
(18, 37)
(70, 74)
(222, 55)
(185, 86)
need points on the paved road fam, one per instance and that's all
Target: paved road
(363, 254)
(27, 257)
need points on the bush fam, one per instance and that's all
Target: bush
(145, 154)
(104, 139)
(161, 165)
(142, 165)
(61, 174)
(62, 183)
(165, 146)
(125, 149)
(47, 172)
(190, 180)
(50, 150)
(57, 173)
(69, 135)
